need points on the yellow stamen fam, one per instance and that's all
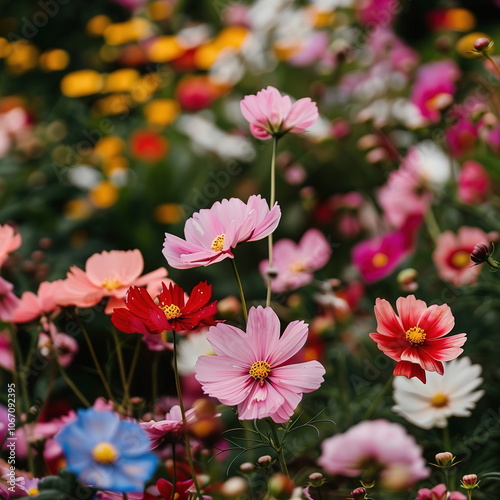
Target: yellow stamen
(218, 243)
(415, 335)
(171, 311)
(33, 492)
(460, 259)
(111, 284)
(105, 453)
(439, 400)
(380, 259)
(297, 267)
(260, 370)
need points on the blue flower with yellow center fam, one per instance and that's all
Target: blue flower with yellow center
(107, 452)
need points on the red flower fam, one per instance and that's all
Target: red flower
(148, 145)
(414, 338)
(182, 489)
(170, 311)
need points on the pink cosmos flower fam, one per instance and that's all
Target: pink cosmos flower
(107, 274)
(414, 337)
(434, 88)
(6, 353)
(439, 492)
(462, 135)
(33, 306)
(378, 257)
(8, 301)
(272, 115)
(295, 263)
(452, 255)
(372, 450)
(252, 369)
(377, 12)
(212, 233)
(473, 183)
(57, 344)
(169, 429)
(9, 241)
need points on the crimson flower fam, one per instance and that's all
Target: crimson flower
(170, 310)
(415, 338)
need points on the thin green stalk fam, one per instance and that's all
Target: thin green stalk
(73, 387)
(154, 379)
(272, 200)
(432, 225)
(469, 494)
(278, 448)
(121, 366)
(240, 290)
(371, 410)
(133, 363)
(493, 62)
(93, 354)
(187, 445)
(446, 439)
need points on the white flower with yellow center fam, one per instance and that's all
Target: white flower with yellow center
(450, 395)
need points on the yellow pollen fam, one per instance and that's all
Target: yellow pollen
(105, 453)
(33, 492)
(218, 243)
(172, 311)
(460, 259)
(260, 370)
(297, 267)
(415, 335)
(439, 400)
(380, 259)
(111, 284)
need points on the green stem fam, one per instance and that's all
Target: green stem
(493, 62)
(446, 439)
(371, 410)
(240, 290)
(187, 444)
(121, 365)
(278, 448)
(432, 225)
(133, 364)
(272, 200)
(154, 380)
(469, 494)
(73, 387)
(93, 354)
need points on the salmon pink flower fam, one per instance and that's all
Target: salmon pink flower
(414, 337)
(272, 115)
(295, 263)
(43, 303)
(212, 233)
(8, 301)
(252, 369)
(439, 492)
(9, 241)
(107, 274)
(373, 449)
(171, 311)
(452, 255)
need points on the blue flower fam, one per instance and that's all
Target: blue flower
(107, 452)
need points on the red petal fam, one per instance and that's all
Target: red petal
(410, 370)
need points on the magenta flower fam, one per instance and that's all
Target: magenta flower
(439, 492)
(9, 241)
(373, 449)
(252, 369)
(473, 183)
(295, 263)
(8, 301)
(272, 115)
(212, 233)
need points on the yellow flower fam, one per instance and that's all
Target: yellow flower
(168, 213)
(81, 83)
(109, 146)
(54, 60)
(22, 57)
(97, 25)
(121, 80)
(104, 195)
(115, 104)
(164, 49)
(161, 112)
(130, 31)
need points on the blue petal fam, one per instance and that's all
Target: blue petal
(131, 440)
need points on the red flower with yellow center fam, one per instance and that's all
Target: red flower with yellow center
(170, 310)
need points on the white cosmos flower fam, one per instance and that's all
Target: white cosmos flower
(452, 394)
(191, 348)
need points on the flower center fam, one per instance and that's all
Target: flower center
(297, 267)
(260, 370)
(111, 284)
(415, 335)
(105, 453)
(218, 243)
(460, 259)
(172, 311)
(380, 259)
(33, 492)
(439, 400)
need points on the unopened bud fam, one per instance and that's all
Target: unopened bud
(281, 487)
(482, 254)
(234, 487)
(469, 481)
(444, 459)
(358, 494)
(483, 44)
(407, 279)
(265, 461)
(316, 479)
(247, 467)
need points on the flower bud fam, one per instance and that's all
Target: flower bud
(247, 467)
(281, 487)
(234, 487)
(482, 254)
(265, 461)
(358, 494)
(483, 44)
(444, 459)
(407, 279)
(469, 481)
(316, 479)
